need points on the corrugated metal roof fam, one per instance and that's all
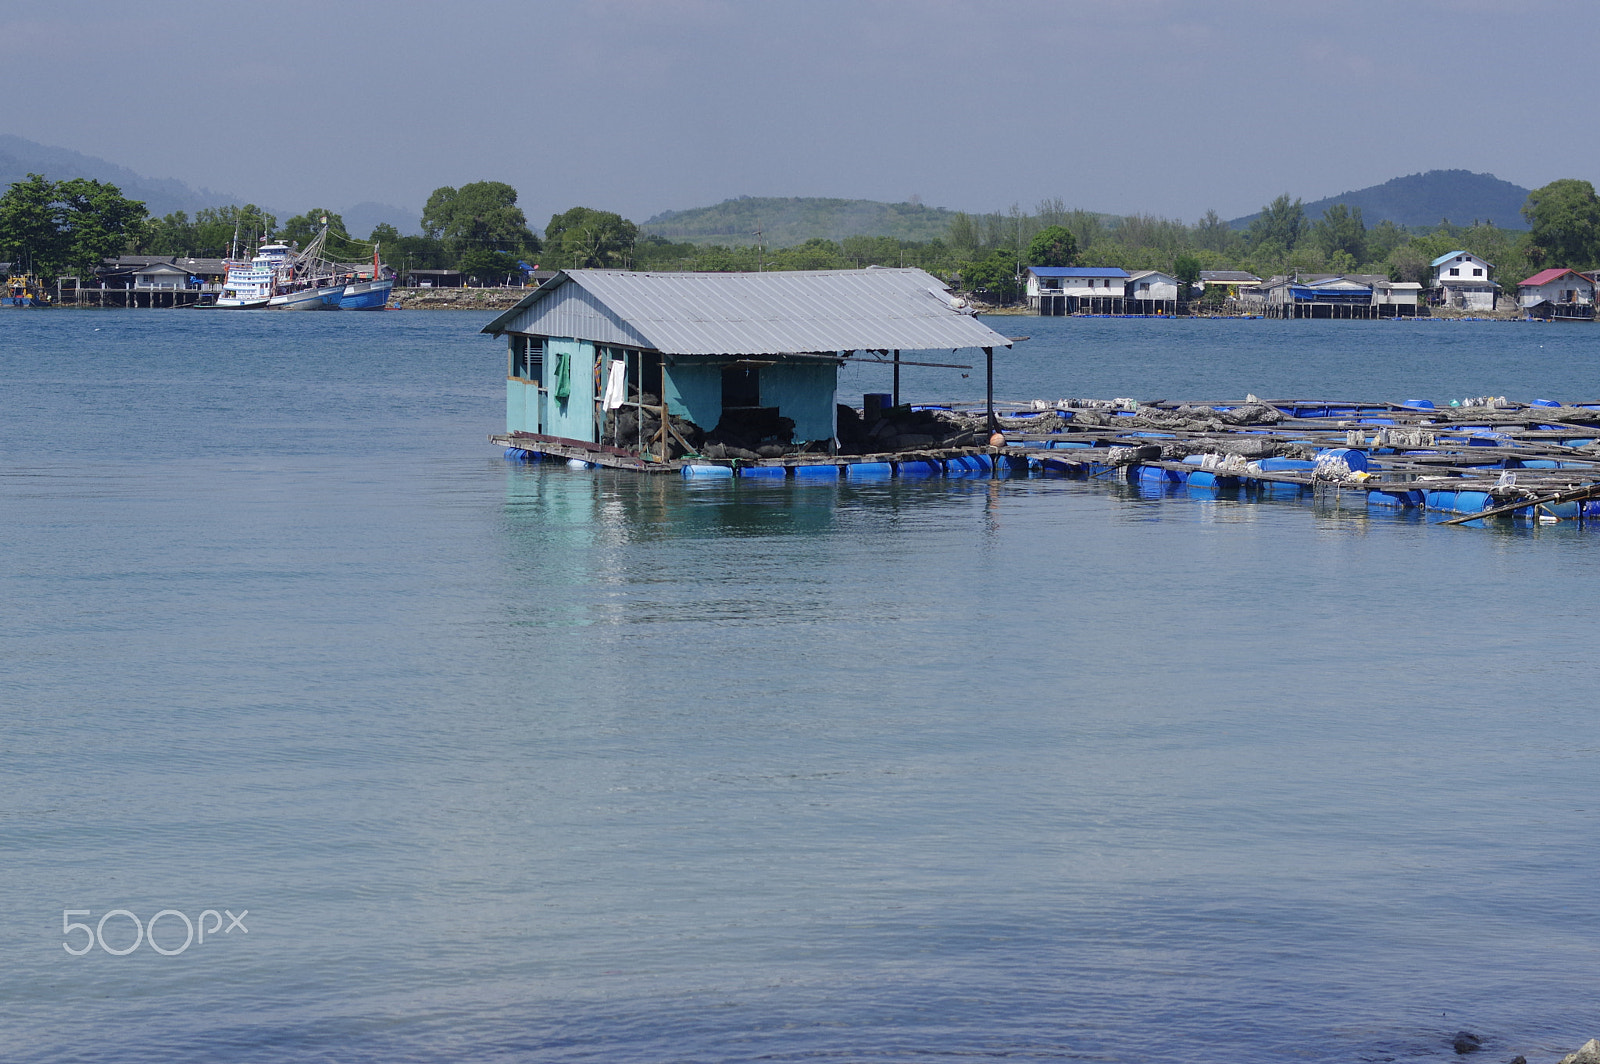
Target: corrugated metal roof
(1078, 271)
(1546, 276)
(784, 312)
(1442, 259)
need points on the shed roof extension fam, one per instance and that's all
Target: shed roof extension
(783, 312)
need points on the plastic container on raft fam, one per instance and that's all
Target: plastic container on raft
(763, 472)
(1356, 460)
(819, 471)
(1418, 404)
(707, 472)
(919, 468)
(869, 470)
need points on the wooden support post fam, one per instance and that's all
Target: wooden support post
(988, 354)
(896, 397)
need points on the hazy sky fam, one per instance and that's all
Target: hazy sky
(1162, 107)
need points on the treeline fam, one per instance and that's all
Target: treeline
(73, 226)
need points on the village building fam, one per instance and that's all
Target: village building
(1361, 295)
(1460, 279)
(1152, 285)
(1056, 290)
(1229, 281)
(594, 355)
(1555, 286)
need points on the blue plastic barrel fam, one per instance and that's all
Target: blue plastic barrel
(1418, 404)
(919, 468)
(709, 471)
(1356, 460)
(771, 472)
(817, 472)
(1283, 465)
(1545, 402)
(869, 470)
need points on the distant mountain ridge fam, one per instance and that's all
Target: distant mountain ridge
(1426, 199)
(161, 195)
(788, 221)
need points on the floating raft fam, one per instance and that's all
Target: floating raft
(1537, 461)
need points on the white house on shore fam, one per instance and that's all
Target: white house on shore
(1555, 286)
(1151, 284)
(1462, 280)
(1085, 282)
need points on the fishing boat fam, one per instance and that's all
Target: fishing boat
(371, 294)
(24, 290)
(281, 278)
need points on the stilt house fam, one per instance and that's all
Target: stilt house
(710, 346)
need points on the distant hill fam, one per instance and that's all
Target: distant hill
(785, 222)
(19, 158)
(1424, 199)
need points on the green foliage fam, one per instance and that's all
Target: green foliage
(211, 233)
(861, 251)
(1281, 224)
(1564, 222)
(481, 216)
(489, 266)
(54, 227)
(586, 238)
(30, 231)
(1211, 233)
(303, 227)
(1054, 245)
(1341, 233)
(994, 277)
(1186, 268)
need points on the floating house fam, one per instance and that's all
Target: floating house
(632, 365)
(1461, 279)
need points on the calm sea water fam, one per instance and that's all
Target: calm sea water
(515, 763)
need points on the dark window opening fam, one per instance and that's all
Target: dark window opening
(527, 357)
(741, 386)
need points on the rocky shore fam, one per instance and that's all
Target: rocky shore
(457, 298)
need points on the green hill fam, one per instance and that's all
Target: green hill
(1422, 200)
(786, 222)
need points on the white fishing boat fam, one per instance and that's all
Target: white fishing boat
(281, 278)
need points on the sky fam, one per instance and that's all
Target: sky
(1156, 106)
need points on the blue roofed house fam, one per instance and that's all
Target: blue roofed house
(1460, 279)
(590, 346)
(1082, 282)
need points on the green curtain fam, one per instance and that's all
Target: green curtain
(563, 386)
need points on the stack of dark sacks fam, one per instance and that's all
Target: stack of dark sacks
(750, 433)
(629, 427)
(900, 428)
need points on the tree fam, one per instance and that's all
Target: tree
(1341, 230)
(1564, 221)
(30, 231)
(75, 224)
(480, 216)
(302, 228)
(1054, 245)
(1281, 223)
(995, 276)
(1186, 269)
(583, 237)
(1212, 233)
